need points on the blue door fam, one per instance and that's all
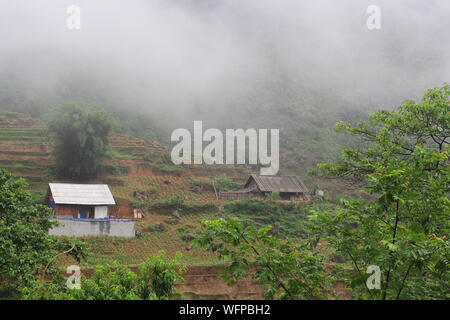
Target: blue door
(82, 212)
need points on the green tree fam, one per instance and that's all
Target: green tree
(81, 139)
(155, 281)
(26, 248)
(163, 273)
(404, 227)
(275, 195)
(288, 269)
(225, 183)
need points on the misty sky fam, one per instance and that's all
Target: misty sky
(201, 59)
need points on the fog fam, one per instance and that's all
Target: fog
(179, 61)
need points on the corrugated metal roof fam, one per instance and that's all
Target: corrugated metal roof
(82, 194)
(282, 184)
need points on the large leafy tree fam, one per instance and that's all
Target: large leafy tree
(404, 227)
(81, 139)
(289, 269)
(26, 248)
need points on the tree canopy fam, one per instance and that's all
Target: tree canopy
(81, 138)
(26, 248)
(404, 227)
(288, 269)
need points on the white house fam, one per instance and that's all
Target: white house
(84, 201)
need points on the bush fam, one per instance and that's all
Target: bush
(167, 169)
(198, 185)
(157, 158)
(254, 207)
(116, 170)
(275, 195)
(155, 280)
(178, 203)
(171, 203)
(159, 227)
(287, 219)
(139, 205)
(197, 206)
(225, 183)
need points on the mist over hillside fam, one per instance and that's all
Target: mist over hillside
(299, 66)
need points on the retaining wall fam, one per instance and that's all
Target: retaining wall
(89, 227)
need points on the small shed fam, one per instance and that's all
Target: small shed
(84, 201)
(257, 187)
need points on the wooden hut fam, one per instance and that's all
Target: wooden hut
(84, 201)
(258, 187)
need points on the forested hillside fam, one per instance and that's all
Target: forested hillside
(231, 66)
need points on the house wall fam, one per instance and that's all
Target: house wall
(81, 228)
(293, 196)
(230, 195)
(234, 196)
(289, 196)
(66, 211)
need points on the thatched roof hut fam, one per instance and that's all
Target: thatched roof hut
(257, 186)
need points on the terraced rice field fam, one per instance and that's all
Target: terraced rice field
(175, 236)
(24, 150)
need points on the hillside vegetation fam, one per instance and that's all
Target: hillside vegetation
(140, 174)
